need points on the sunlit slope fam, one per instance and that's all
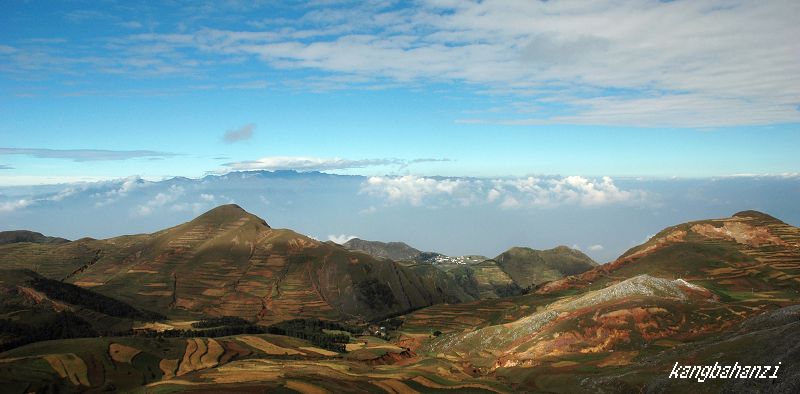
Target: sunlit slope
(230, 262)
(623, 316)
(750, 253)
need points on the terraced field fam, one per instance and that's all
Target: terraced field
(749, 252)
(229, 262)
(720, 290)
(455, 317)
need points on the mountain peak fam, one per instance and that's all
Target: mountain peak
(756, 215)
(227, 213)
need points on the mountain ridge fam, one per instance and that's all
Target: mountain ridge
(229, 262)
(18, 236)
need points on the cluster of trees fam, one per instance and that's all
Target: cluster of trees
(60, 325)
(312, 331)
(221, 331)
(308, 329)
(376, 294)
(220, 321)
(75, 295)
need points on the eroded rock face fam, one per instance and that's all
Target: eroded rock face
(672, 237)
(621, 316)
(740, 232)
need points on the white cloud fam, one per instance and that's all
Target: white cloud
(493, 195)
(120, 189)
(509, 193)
(509, 202)
(160, 200)
(11, 206)
(697, 64)
(677, 63)
(368, 211)
(341, 238)
(194, 207)
(410, 188)
(552, 191)
(595, 248)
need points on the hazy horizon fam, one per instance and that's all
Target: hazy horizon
(603, 217)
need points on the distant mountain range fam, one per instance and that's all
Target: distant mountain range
(227, 303)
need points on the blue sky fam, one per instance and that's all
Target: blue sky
(512, 88)
(515, 112)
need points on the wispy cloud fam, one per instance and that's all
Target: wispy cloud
(84, 154)
(6, 167)
(11, 206)
(243, 133)
(341, 238)
(319, 163)
(678, 63)
(160, 200)
(118, 189)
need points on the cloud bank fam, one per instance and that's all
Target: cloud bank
(541, 192)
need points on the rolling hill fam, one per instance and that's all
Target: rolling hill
(229, 262)
(699, 293)
(508, 274)
(750, 252)
(15, 236)
(611, 328)
(397, 251)
(530, 267)
(34, 308)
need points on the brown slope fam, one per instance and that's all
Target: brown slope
(230, 262)
(531, 267)
(16, 236)
(397, 251)
(748, 252)
(33, 308)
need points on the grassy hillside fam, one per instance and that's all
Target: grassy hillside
(34, 308)
(228, 262)
(397, 251)
(529, 267)
(723, 290)
(17, 236)
(749, 252)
